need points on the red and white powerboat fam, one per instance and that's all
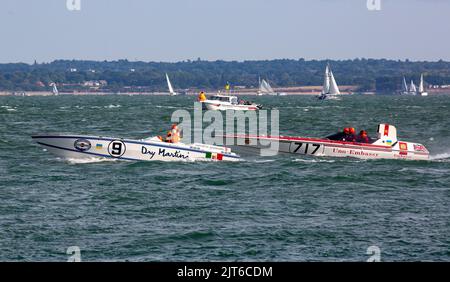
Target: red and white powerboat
(385, 146)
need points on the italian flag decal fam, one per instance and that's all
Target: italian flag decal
(214, 156)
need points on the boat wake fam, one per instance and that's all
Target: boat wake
(440, 157)
(313, 160)
(166, 107)
(87, 160)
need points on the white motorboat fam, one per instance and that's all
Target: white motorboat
(226, 102)
(150, 149)
(330, 89)
(385, 146)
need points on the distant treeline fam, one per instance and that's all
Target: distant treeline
(122, 75)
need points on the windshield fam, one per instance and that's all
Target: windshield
(218, 98)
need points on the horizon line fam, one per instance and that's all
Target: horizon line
(229, 61)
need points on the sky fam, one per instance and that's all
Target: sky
(176, 30)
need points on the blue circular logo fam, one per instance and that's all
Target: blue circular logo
(82, 145)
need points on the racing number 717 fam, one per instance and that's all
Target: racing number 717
(298, 145)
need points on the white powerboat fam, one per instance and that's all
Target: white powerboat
(227, 102)
(151, 149)
(330, 89)
(386, 146)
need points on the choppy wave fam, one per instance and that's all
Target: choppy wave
(285, 207)
(111, 106)
(9, 108)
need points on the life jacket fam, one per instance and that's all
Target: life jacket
(363, 139)
(201, 97)
(175, 136)
(169, 137)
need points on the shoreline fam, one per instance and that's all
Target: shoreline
(294, 91)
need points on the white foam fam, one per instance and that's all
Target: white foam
(313, 160)
(88, 160)
(9, 108)
(113, 106)
(263, 161)
(440, 156)
(166, 107)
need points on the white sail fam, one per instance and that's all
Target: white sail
(170, 86)
(326, 82)
(54, 89)
(404, 86)
(330, 86)
(265, 88)
(412, 87)
(421, 86)
(334, 89)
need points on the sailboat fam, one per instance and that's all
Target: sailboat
(404, 87)
(265, 88)
(412, 88)
(171, 92)
(408, 90)
(422, 91)
(54, 89)
(330, 90)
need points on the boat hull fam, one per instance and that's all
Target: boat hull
(330, 148)
(329, 97)
(88, 147)
(218, 106)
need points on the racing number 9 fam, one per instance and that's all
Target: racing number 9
(116, 148)
(298, 145)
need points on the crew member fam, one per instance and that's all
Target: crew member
(362, 137)
(346, 134)
(350, 137)
(340, 136)
(173, 136)
(201, 96)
